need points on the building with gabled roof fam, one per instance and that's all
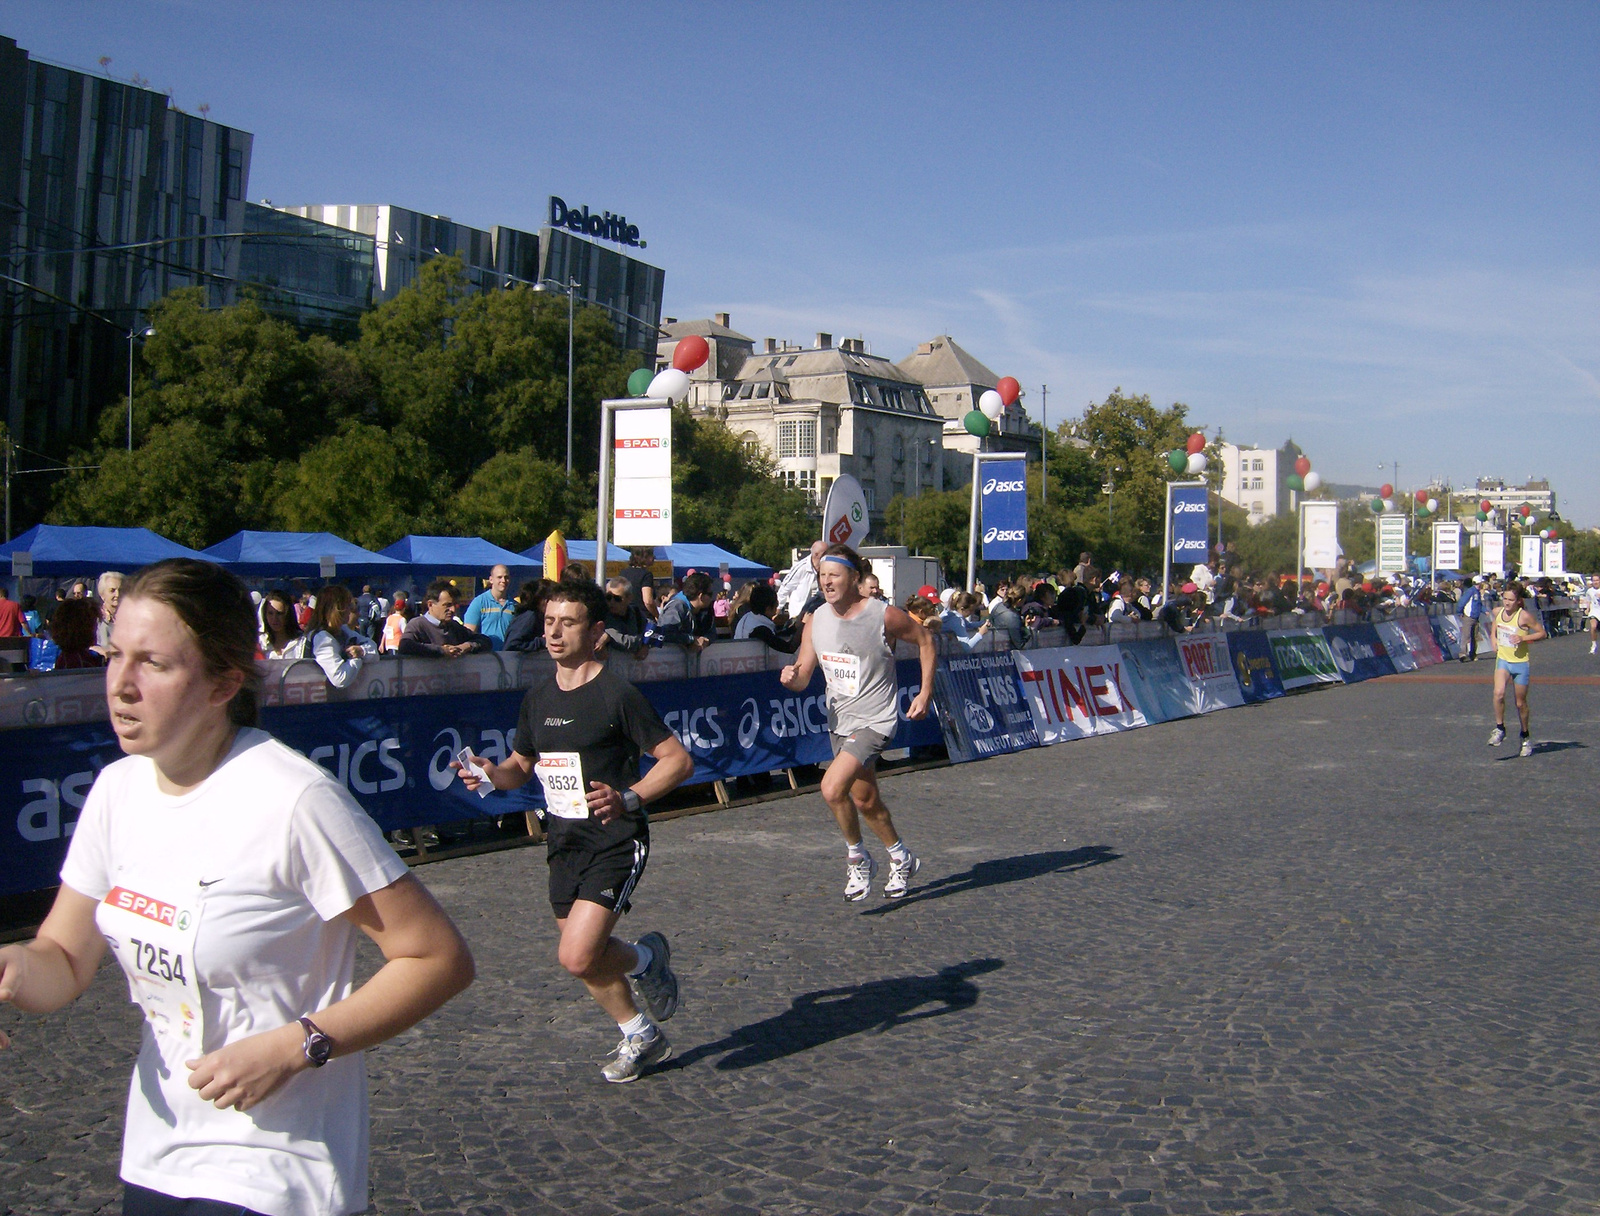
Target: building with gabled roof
(729, 350)
(954, 379)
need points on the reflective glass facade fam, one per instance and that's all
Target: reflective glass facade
(314, 274)
(628, 289)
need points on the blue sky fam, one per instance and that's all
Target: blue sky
(1368, 227)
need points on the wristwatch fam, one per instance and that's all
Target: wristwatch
(318, 1047)
(631, 802)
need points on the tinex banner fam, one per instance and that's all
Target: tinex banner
(1005, 509)
(1190, 525)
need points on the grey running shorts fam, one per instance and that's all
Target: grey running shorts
(865, 745)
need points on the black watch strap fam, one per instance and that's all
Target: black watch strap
(318, 1046)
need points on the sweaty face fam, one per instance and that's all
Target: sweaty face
(838, 581)
(567, 631)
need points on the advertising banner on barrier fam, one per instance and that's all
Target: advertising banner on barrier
(1004, 509)
(1302, 658)
(1492, 552)
(1157, 680)
(1397, 644)
(1250, 655)
(642, 510)
(1447, 631)
(981, 707)
(1077, 691)
(1358, 652)
(1191, 523)
(1208, 665)
(1419, 636)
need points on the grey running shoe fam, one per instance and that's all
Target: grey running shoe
(635, 1054)
(1527, 747)
(858, 878)
(1497, 736)
(657, 988)
(900, 875)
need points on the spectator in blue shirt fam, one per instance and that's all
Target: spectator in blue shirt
(491, 612)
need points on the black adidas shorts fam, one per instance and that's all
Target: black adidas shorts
(605, 877)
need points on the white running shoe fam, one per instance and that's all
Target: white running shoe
(635, 1054)
(1497, 736)
(900, 876)
(1527, 747)
(858, 878)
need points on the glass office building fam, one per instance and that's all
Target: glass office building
(317, 275)
(628, 289)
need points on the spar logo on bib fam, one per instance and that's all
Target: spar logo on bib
(151, 909)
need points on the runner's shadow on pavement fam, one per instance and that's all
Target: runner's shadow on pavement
(1540, 749)
(815, 1018)
(1001, 870)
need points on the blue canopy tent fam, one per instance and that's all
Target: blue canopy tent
(299, 555)
(581, 551)
(60, 551)
(471, 555)
(708, 559)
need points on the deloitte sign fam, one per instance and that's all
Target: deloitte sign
(601, 224)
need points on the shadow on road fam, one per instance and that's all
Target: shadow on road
(816, 1018)
(1549, 745)
(1003, 869)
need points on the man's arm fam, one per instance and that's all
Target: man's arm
(899, 624)
(512, 773)
(414, 640)
(674, 765)
(797, 675)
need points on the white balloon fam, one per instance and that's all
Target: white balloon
(671, 384)
(1313, 482)
(1197, 462)
(991, 405)
(1433, 504)
(1388, 504)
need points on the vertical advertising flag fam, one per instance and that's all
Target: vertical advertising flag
(1532, 557)
(1005, 509)
(1191, 523)
(845, 518)
(1492, 553)
(1555, 557)
(642, 512)
(1391, 544)
(1321, 521)
(1446, 547)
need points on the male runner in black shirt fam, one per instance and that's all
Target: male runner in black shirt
(581, 733)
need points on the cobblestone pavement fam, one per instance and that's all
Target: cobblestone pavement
(1331, 954)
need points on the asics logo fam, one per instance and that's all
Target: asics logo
(995, 486)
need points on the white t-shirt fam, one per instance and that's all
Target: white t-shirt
(264, 856)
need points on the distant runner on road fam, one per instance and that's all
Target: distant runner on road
(581, 733)
(852, 637)
(1514, 629)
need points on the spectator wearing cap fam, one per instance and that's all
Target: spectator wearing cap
(394, 625)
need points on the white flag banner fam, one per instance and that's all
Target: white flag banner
(1555, 557)
(642, 496)
(1077, 691)
(1532, 557)
(1446, 547)
(1492, 553)
(1391, 544)
(1322, 534)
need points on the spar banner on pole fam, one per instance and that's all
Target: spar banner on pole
(1358, 652)
(1005, 508)
(1492, 553)
(1190, 524)
(1446, 547)
(981, 708)
(1077, 691)
(1302, 658)
(642, 511)
(1532, 557)
(1251, 656)
(1321, 523)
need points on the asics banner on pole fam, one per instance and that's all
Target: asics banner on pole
(1005, 508)
(1191, 523)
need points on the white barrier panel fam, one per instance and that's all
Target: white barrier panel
(1397, 645)
(1208, 664)
(1077, 691)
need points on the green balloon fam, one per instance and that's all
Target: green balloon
(1178, 459)
(1483, 517)
(1295, 481)
(1422, 512)
(1377, 506)
(639, 382)
(976, 423)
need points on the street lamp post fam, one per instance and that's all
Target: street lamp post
(132, 334)
(569, 290)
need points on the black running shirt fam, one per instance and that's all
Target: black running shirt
(609, 724)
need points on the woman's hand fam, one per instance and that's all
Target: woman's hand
(246, 1073)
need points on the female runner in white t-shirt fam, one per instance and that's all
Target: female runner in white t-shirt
(229, 875)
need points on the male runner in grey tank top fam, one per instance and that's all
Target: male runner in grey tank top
(852, 638)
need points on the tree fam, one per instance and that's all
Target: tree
(366, 484)
(516, 498)
(1129, 439)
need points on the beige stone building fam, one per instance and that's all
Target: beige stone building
(954, 380)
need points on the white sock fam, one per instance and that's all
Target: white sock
(898, 851)
(857, 854)
(645, 955)
(639, 1024)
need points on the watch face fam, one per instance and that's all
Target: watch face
(318, 1048)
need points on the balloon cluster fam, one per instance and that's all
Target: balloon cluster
(1426, 504)
(1303, 479)
(991, 405)
(1192, 459)
(672, 382)
(1485, 511)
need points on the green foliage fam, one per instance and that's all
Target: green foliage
(933, 524)
(364, 484)
(767, 520)
(1583, 552)
(1128, 441)
(515, 499)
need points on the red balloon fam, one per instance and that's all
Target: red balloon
(1486, 506)
(690, 353)
(1302, 466)
(1386, 491)
(1526, 511)
(1195, 444)
(1009, 389)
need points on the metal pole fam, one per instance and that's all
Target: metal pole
(1166, 550)
(130, 390)
(8, 484)
(1044, 444)
(602, 521)
(1299, 552)
(972, 526)
(570, 286)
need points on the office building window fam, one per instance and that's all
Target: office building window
(866, 443)
(801, 479)
(871, 495)
(797, 437)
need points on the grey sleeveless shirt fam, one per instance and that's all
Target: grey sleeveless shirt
(857, 660)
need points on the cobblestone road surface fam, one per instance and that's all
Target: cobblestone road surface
(1331, 954)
